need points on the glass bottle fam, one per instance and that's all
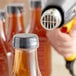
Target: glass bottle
(44, 50)
(3, 31)
(15, 20)
(4, 70)
(6, 46)
(25, 63)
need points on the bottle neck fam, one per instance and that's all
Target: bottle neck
(35, 18)
(2, 30)
(35, 14)
(26, 64)
(16, 21)
(35, 24)
(15, 24)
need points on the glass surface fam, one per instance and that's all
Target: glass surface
(44, 52)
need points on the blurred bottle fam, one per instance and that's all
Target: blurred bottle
(9, 50)
(4, 70)
(15, 20)
(3, 32)
(44, 51)
(26, 63)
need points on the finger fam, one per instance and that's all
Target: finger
(65, 44)
(56, 36)
(67, 55)
(63, 52)
(63, 36)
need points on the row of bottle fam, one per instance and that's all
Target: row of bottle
(15, 21)
(6, 48)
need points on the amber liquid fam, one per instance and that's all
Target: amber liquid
(25, 63)
(4, 38)
(4, 71)
(3, 61)
(15, 25)
(44, 52)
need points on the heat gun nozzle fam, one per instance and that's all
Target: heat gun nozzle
(51, 19)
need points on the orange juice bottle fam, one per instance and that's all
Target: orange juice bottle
(44, 52)
(15, 20)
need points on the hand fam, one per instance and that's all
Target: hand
(65, 44)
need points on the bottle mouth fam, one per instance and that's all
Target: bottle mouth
(26, 41)
(51, 19)
(2, 14)
(15, 8)
(35, 3)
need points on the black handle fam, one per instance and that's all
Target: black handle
(69, 66)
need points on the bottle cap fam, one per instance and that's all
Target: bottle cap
(35, 3)
(26, 41)
(15, 8)
(2, 14)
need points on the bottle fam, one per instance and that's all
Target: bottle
(3, 31)
(25, 63)
(44, 50)
(8, 50)
(4, 70)
(2, 14)
(15, 20)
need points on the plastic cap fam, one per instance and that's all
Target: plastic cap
(26, 41)
(15, 8)
(35, 3)
(2, 14)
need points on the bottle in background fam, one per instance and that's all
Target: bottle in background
(3, 31)
(44, 50)
(15, 20)
(25, 63)
(4, 70)
(15, 24)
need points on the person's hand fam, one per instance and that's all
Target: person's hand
(65, 44)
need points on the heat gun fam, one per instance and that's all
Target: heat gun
(56, 14)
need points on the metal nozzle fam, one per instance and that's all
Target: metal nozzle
(51, 19)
